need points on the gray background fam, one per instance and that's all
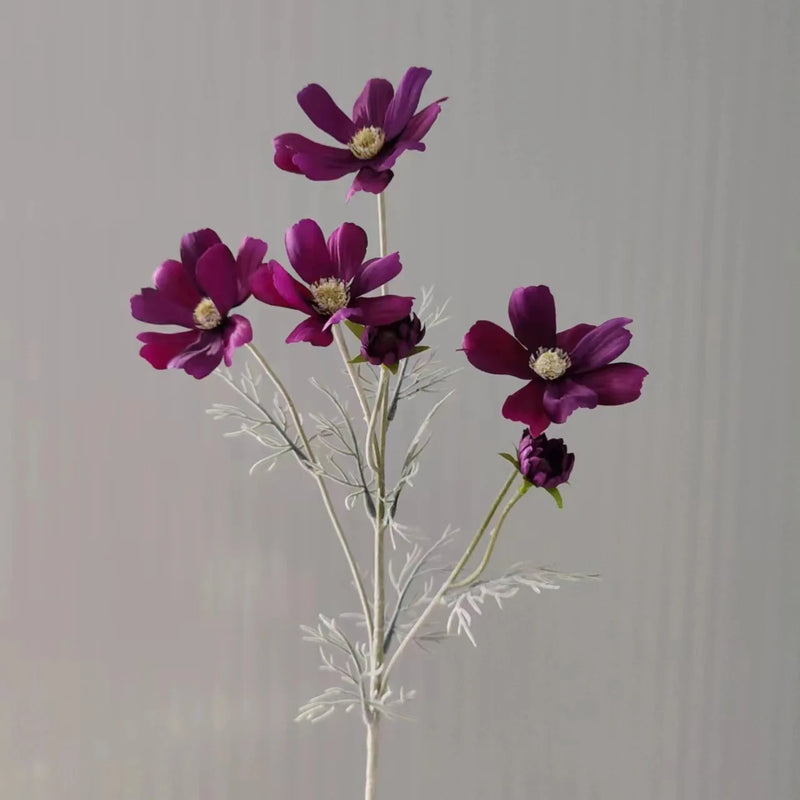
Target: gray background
(641, 158)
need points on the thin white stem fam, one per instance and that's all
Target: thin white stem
(382, 223)
(423, 617)
(323, 489)
(352, 372)
(268, 371)
(371, 777)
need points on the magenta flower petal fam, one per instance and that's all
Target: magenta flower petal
(202, 358)
(526, 406)
(614, 384)
(194, 244)
(318, 162)
(369, 109)
(173, 281)
(567, 340)
(325, 114)
(601, 345)
(307, 251)
(160, 348)
(532, 312)
(262, 285)
(387, 159)
(347, 246)
(311, 330)
(291, 291)
(238, 332)
(217, 276)
(368, 180)
(376, 272)
(421, 122)
(284, 155)
(562, 397)
(151, 305)
(405, 101)
(248, 260)
(380, 310)
(492, 349)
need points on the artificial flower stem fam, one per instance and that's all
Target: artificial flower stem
(490, 546)
(423, 617)
(371, 778)
(323, 489)
(268, 371)
(352, 372)
(382, 224)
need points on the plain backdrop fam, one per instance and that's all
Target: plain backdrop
(641, 157)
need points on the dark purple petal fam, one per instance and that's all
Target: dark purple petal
(160, 348)
(389, 155)
(155, 307)
(347, 246)
(248, 260)
(217, 277)
(284, 154)
(318, 162)
(308, 254)
(237, 332)
(311, 330)
(421, 122)
(203, 357)
(325, 114)
(532, 312)
(614, 384)
(568, 339)
(343, 313)
(193, 245)
(271, 284)
(370, 106)
(563, 396)
(294, 294)
(525, 406)
(380, 310)
(600, 345)
(174, 282)
(375, 273)
(368, 180)
(492, 349)
(405, 101)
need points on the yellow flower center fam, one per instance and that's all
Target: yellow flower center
(330, 295)
(549, 362)
(367, 142)
(206, 315)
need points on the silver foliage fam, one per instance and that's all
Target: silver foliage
(463, 603)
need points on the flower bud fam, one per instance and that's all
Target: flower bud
(388, 344)
(544, 462)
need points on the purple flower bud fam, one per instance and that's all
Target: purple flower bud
(388, 344)
(544, 462)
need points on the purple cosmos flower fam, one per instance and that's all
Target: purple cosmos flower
(564, 371)
(382, 127)
(337, 278)
(198, 293)
(388, 344)
(544, 462)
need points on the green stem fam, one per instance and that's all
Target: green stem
(450, 578)
(490, 545)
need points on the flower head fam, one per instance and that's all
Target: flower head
(336, 280)
(564, 371)
(388, 344)
(198, 293)
(544, 462)
(383, 125)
